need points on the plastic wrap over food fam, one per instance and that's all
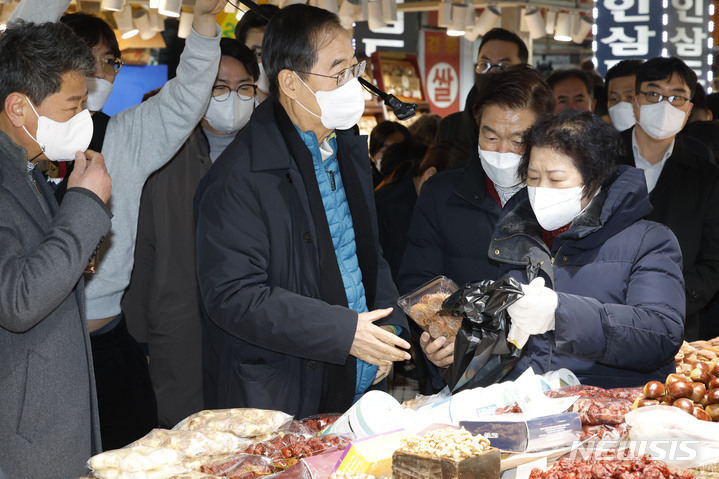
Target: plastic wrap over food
(582, 390)
(312, 425)
(242, 466)
(314, 467)
(242, 422)
(670, 427)
(605, 432)
(195, 475)
(285, 450)
(194, 443)
(164, 472)
(135, 458)
(601, 410)
(624, 393)
(420, 400)
(424, 306)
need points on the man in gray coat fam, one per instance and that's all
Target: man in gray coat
(48, 417)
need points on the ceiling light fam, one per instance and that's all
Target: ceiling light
(157, 21)
(123, 18)
(444, 14)
(112, 5)
(487, 19)
(142, 22)
(563, 32)
(170, 8)
(535, 24)
(550, 18)
(582, 27)
(389, 11)
(459, 20)
(376, 19)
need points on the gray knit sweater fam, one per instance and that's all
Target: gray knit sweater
(137, 142)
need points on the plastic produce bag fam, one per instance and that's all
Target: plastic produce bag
(242, 422)
(482, 355)
(194, 443)
(674, 436)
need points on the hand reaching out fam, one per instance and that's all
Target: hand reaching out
(375, 345)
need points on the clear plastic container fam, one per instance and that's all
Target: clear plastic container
(423, 305)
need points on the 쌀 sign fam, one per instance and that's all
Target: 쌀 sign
(441, 69)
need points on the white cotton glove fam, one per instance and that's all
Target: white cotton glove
(533, 313)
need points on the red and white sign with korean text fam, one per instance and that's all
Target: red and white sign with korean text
(441, 72)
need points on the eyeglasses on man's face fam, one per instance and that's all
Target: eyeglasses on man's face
(486, 67)
(345, 75)
(110, 65)
(245, 91)
(654, 97)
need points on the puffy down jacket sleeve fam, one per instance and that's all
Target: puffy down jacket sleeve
(646, 329)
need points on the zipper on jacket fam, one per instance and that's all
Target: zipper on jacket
(34, 183)
(332, 179)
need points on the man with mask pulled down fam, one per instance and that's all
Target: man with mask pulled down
(162, 302)
(682, 181)
(297, 299)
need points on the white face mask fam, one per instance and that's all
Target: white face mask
(59, 141)
(231, 115)
(263, 83)
(622, 115)
(555, 207)
(661, 120)
(501, 168)
(98, 91)
(340, 108)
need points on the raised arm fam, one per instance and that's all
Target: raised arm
(40, 11)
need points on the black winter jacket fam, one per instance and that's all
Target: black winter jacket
(686, 199)
(451, 229)
(620, 314)
(270, 341)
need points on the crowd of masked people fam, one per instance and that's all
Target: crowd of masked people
(232, 242)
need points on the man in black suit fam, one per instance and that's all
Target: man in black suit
(682, 180)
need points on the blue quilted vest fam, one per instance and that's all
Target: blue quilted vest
(342, 231)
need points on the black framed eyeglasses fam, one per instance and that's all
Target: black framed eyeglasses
(345, 74)
(245, 91)
(654, 97)
(484, 67)
(111, 65)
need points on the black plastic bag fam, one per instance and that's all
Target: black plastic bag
(482, 355)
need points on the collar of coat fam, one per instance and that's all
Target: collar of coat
(13, 153)
(517, 238)
(471, 187)
(679, 155)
